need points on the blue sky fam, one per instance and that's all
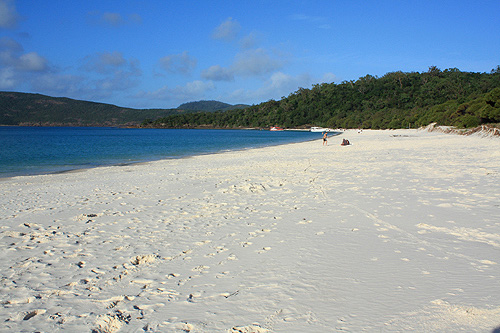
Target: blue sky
(161, 53)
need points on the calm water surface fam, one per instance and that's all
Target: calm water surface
(40, 150)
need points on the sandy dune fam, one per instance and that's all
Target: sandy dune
(398, 232)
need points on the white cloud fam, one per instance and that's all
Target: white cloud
(11, 56)
(32, 62)
(227, 31)
(7, 78)
(320, 21)
(281, 82)
(112, 59)
(112, 19)
(249, 41)
(247, 63)
(178, 63)
(135, 18)
(119, 81)
(278, 85)
(60, 84)
(19, 69)
(329, 78)
(217, 73)
(255, 62)
(9, 51)
(8, 14)
(118, 73)
(307, 18)
(108, 74)
(84, 87)
(194, 90)
(250, 63)
(105, 62)
(7, 43)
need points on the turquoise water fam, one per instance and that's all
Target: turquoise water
(41, 150)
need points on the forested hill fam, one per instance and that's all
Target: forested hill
(210, 106)
(395, 100)
(40, 110)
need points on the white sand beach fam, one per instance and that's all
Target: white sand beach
(398, 232)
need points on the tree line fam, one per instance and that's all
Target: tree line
(395, 100)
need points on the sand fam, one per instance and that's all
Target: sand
(398, 232)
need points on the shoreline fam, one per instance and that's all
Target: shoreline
(123, 164)
(103, 161)
(398, 231)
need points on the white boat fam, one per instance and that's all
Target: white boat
(321, 129)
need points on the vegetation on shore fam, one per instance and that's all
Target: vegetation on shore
(210, 106)
(395, 100)
(40, 110)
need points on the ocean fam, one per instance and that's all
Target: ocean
(43, 150)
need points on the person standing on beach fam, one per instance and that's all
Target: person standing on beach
(325, 139)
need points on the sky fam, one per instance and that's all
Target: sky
(162, 53)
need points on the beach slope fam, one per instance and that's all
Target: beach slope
(399, 231)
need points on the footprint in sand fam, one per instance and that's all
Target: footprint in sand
(218, 249)
(202, 242)
(172, 275)
(232, 256)
(170, 325)
(248, 329)
(264, 249)
(111, 322)
(201, 269)
(168, 294)
(30, 314)
(222, 274)
(193, 296)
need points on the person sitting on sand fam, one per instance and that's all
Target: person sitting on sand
(325, 139)
(345, 142)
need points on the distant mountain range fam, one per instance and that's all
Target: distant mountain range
(40, 110)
